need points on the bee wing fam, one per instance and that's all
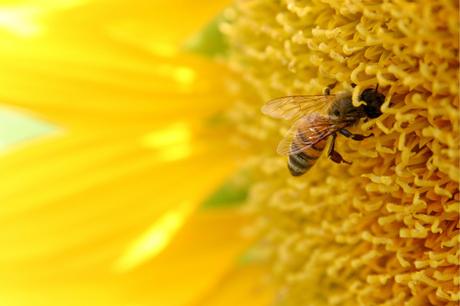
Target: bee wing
(297, 106)
(310, 129)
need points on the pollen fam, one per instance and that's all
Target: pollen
(384, 230)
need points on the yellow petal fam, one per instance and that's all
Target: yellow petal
(247, 284)
(77, 73)
(200, 255)
(138, 95)
(198, 258)
(155, 239)
(103, 212)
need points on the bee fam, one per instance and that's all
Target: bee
(317, 117)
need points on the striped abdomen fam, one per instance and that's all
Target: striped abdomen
(299, 163)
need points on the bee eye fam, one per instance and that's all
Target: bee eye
(336, 113)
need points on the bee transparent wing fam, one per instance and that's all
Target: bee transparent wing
(291, 107)
(306, 132)
(284, 147)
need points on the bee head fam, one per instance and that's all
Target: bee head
(374, 101)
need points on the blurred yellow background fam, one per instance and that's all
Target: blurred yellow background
(107, 153)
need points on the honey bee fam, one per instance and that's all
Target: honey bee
(318, 117)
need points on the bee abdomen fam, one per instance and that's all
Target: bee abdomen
(299, 163)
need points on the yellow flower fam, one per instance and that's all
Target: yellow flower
(100, 207)
(384, 230)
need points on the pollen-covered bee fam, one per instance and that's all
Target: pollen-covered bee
(317, 118)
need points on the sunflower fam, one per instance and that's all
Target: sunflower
(384, 230)
(113, 120)
(111, 143)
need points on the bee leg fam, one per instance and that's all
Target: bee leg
(327, 90)
(357, 137)
(333, 154)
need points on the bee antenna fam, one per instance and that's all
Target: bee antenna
(376, 87)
